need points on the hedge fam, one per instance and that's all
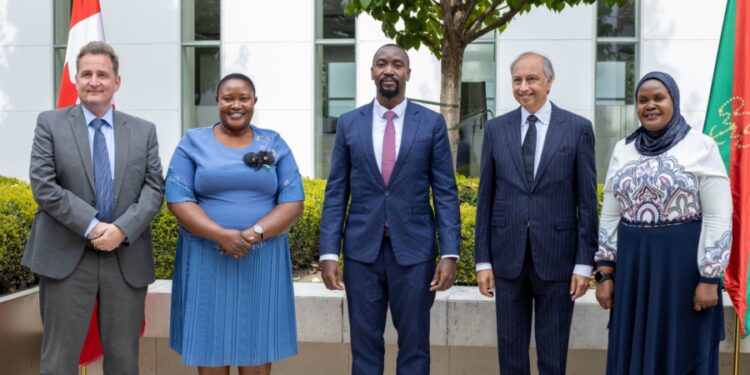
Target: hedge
(17, 209)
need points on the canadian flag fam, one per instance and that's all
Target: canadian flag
(85, 26)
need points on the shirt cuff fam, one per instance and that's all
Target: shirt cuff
(583, 270)
(91, 226)
(329, 257)
(454, 256)
(484, 266)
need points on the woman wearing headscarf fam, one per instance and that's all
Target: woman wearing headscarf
(664, 241)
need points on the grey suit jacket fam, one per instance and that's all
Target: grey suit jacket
(62, 182)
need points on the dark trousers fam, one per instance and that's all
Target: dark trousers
(553, 314)
(66, 308)
(370, 289)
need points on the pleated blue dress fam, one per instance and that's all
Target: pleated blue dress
(227, 311)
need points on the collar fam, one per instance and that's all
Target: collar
(88, 116)
(543, 114)
(378, 109)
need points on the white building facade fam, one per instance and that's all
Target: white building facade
(310, 63)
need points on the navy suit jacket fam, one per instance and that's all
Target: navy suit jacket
(358, 203)
(558, 211)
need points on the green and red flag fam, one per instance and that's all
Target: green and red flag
(728, 122)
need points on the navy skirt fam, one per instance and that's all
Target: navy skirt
(653, 328)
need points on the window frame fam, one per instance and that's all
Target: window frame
(635, 41)
(318, 44)
(187, 107)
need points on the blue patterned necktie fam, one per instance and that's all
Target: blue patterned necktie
(102, 174)
(529, 149)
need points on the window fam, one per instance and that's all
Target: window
(335, 77)
(616, 72)
(477, 102)
(61, 11)
(201, 62)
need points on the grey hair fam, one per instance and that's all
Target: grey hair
(549, 71)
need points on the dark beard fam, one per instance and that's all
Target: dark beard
(389, 93)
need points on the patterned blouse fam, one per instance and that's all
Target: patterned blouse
(685, 184)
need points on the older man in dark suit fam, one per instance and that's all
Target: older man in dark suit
(389, 155)
(96, 175)
(536, 219)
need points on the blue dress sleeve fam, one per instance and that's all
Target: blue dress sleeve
(289, 180)
(180, 176)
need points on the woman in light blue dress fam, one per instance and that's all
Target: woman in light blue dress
(235, 190)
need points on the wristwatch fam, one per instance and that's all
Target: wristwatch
(257, 228)
(601, 277)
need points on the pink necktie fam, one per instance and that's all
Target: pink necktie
(388, 160)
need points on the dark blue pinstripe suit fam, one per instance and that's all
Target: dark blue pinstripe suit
(393, 271)
(534, 235)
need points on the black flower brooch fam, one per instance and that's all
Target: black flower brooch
(259, 159)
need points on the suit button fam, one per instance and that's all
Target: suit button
(387, 193)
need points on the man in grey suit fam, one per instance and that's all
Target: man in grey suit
(96, 175)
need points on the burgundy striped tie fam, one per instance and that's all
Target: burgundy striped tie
(388, 160)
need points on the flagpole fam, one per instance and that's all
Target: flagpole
(82, 369)
(736, 345)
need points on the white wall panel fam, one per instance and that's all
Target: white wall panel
(17, 130)
(168, 130)
(296, 129)
(573, 60)
(696, 119)
(682, 19)
(282, 72)
(141, 21)
(572, 23)
(26, 79)
(370, 30)
(150, 76)
(267, 21)
(27, 22)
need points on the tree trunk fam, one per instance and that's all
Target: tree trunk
(450, 91)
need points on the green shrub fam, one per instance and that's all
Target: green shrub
(304, 237)
(17, 212)
(164, 236)
(10, 181)
(466, 274)
(17, 209)
(467, 189)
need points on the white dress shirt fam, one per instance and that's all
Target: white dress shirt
(543, 116)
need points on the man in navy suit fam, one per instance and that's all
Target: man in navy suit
(388, 156)
(536, 219)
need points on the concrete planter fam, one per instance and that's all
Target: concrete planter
(462, 336)
(20, 332)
